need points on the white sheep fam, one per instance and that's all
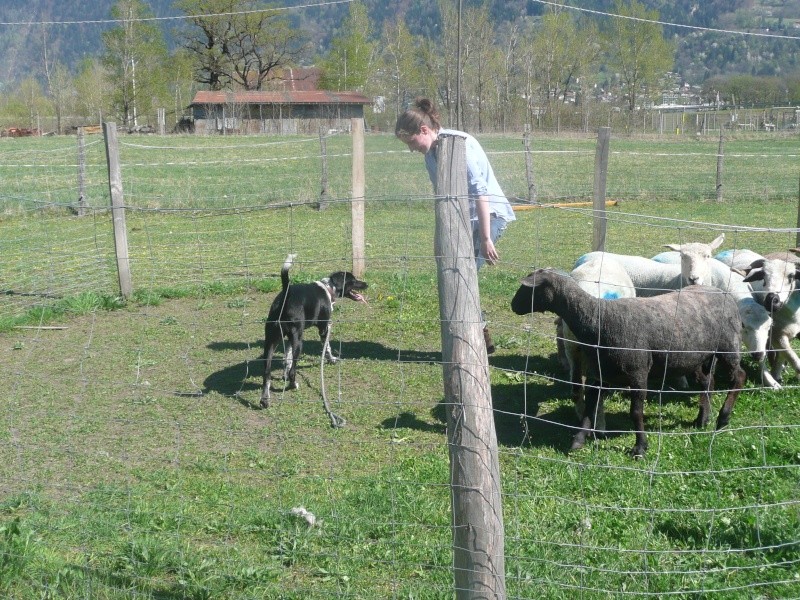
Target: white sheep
(602, 278)
(778, 280)
(696, 258)
(773, 280)
(756, 321)
(626, 340)
(653, 279)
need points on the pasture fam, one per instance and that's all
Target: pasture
(136, 463)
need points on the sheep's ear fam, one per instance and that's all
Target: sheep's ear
(754, 275)
(718, 241)
(757, 264)
(529, 281)
(741, 272)
(675, 247)
(794, 250)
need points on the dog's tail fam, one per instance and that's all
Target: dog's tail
(287, 264)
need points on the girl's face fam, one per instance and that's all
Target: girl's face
(420, 142)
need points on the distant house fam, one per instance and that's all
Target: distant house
(276, 112)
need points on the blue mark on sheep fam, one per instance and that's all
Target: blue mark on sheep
(581, 260)
(610, 295)
(725, 255)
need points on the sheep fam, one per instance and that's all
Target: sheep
(744, 260)
(786, 326)
(602, 278)
(696, 258)
(626, 340)
(652, 279)
(756, 321)
(775, 279)
(778, 280)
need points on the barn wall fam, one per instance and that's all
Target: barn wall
(274, 119)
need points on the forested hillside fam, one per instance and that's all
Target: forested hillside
(24, 42)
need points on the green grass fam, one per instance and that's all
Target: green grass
(136, 463)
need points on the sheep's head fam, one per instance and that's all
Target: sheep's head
(536, 292)
(695, 260)
(756, 324)
(773, 281)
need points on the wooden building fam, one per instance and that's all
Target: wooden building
(304, 112)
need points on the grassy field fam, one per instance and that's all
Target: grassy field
(135, 462)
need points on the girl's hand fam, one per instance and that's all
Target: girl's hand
(489, 252)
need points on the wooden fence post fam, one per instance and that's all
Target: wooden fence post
(720, 161)
(323, 149)
(359, 260)
(599, 196)
(477, 515)
(797, 236)
(118, 210)
(81, 172)
(529, 173)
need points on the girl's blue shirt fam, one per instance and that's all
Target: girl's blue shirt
(480, 177)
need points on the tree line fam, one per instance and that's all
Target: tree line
(565, 69)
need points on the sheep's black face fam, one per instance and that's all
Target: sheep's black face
(536, 294)
(522, 302)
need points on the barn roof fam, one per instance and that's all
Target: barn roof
(205, 97)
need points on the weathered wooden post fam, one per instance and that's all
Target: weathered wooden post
(81, 172)
(599, 197)
(118, 210)
(529, 173)
(797, 237)
(359, 254)
(323, 149)
(477, 515)
(720, 161)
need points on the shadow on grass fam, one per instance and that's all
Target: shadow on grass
(238, 379)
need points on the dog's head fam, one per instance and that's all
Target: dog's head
(346, 285)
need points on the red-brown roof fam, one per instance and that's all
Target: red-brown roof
(294, 79)
(288, 97)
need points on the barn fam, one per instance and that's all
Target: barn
(276, 112)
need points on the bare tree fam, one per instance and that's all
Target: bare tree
(238, 42)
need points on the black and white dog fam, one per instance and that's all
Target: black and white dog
(298, 307)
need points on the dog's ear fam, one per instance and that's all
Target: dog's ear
(337, 280)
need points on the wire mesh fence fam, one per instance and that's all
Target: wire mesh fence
(137, 462)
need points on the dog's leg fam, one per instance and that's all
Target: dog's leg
(336, 420)
(325, 336)
(293, 354)
(287, 362)
(269, 351)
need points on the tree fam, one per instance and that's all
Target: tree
(480, 62)
(237, 43)
(61, 90)
(94, 90)
(30, 103)
(564, 54)
(348, 64)
(135, 54)
(400, 62)
(637, 50)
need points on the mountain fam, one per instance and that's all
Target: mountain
(70, 30)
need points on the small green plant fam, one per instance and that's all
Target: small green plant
(15, 547)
